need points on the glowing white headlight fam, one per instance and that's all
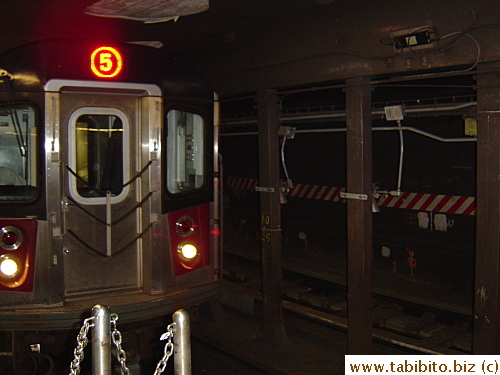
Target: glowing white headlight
(189, 256)
(188, 251)
(8, 267)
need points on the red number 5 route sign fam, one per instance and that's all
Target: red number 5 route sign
(106, 62)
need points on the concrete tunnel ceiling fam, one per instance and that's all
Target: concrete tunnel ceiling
(241, 46)
(148, 11)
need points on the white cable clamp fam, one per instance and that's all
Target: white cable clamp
(264, 189)
(345, 195)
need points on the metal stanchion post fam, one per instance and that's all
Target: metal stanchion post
(101, 341)
(182, 343)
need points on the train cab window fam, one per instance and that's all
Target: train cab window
(98, 156)
(18, 153)
(185, 150)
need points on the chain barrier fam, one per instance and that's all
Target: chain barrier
(82, 341)
(167, 351)
(116, 336)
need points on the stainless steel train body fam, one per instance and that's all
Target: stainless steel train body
(107, 195)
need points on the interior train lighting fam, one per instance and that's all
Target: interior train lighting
(11, 238)
(106, 62)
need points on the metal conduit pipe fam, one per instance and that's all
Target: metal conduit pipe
(425, 134)
(343, 114)
(381, 112)
(401, 155)
(381, 128)
(382, 82)
(432, 109)
(375, 112)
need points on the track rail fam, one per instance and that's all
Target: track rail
(397, 322)
(231, 361)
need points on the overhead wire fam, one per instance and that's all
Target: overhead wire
(288, 183)
(460, 34)
(474, 40)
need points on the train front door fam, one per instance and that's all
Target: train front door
(102, 185)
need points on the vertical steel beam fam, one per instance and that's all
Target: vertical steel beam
(270, 212)
(359, 216)
(486, 336)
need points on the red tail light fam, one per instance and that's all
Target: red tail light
(11, 238)
(185, 225)
(17, 254)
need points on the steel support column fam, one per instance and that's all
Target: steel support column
(270, 214)
(486, 336)
(359, 216)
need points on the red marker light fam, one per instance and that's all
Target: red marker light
(9, 238)
(185, 226)
(106, 62)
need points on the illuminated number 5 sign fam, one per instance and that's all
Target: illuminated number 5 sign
(106, 62)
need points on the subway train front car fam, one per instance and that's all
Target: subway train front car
(107, 185)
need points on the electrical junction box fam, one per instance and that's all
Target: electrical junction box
(470, 127)
(395, 112)
(414, 39)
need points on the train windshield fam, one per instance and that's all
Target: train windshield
(185, 162)
(18, 153)
(98, 141)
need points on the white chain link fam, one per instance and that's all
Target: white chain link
(82, 341)
(117, 340)
(167, 351)
(116, 336)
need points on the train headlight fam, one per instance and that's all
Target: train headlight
(10, 238)
(188, 255)
(188, 251)
(8, 265)
(17, 254)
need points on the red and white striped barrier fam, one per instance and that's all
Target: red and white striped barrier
(431, 202)
(412, 201)
(242, 183)
(326, 193)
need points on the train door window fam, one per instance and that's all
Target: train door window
(98, 156)
(185, 150)
(18, 153)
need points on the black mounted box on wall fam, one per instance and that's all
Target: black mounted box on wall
(414, 39)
